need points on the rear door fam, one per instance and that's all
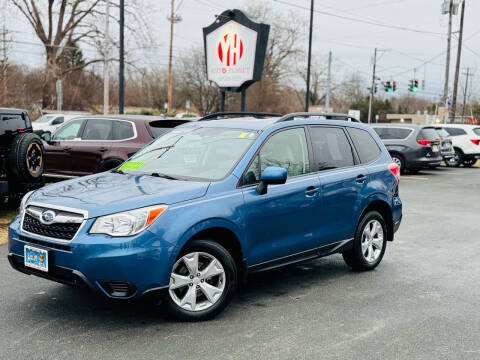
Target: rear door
(58, 152)
(96, 140)
(341, 180)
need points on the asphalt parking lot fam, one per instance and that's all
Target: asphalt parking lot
(422, 302)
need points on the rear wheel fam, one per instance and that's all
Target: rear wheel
(369, 243)
(202, 283)
(469, 162)
(397, 159)
(457, 160)
(26, 157)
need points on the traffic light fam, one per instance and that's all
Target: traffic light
(413, 86)
(394, 87)
(388, 86)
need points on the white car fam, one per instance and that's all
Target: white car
(50, 122)
(466, 143)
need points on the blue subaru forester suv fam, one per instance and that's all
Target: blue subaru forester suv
(196, 210)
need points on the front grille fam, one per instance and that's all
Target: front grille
(62, 231)
(45, 243)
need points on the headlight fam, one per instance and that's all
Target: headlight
(127, 223)
(23, 203)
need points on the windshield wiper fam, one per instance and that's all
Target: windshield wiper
(118, 171)
(165, 176)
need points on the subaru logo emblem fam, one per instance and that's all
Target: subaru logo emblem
(48, 216)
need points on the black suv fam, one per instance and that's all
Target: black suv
(412, 147)
(21, 155)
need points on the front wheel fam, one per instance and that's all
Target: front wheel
(202, 282)
(369, 243)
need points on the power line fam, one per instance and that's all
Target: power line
(370, 22)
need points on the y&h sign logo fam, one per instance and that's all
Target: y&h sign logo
(231, 54)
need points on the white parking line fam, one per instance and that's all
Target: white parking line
(413, 178)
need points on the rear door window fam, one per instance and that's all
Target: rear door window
(388, 133)
(98, 129)
(122, 130)
(455, 131)
(367, 147)
(331, 148)
(428, 134)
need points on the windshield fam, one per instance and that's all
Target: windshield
(44, 119)
(192, 153)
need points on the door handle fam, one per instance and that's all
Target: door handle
(103, 149)
(361, 179)
(311, 191)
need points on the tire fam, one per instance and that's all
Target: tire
(397, 159)
(457, 160)
(110, 164)
(360, 257)
(469, 162)
(186, 285)
(26, 158)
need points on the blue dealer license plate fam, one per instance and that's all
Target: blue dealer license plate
(36, 258)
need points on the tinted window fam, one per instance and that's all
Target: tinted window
(122, 130)
(69, 131)
(98, 129)
(287, 149)
(331, 148)
(58, 121)
(367, 147)
(160, 127)
(455, 131)
(428, 134)
(388, 133)
(477, 131)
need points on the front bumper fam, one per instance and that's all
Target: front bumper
(116, 267)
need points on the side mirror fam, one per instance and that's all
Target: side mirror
(47, 136)
(272, 175)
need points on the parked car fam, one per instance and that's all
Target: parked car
(446, 147)
(412, 147)
(466, 143)
(92, 144)
(21, 155)
(51, 122)
(195, 211)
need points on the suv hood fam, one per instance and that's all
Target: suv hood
(108, 192)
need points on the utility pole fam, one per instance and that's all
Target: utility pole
(106, 78)
(372, 89)
(307, 95)
(465, 93)
(170, 80)
(4, 63)
(121, 82)
(453, 109)
(447, 65)
(329, 82)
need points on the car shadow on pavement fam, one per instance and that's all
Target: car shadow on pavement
(81, 305)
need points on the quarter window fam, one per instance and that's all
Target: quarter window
(367, 147)
(98, 129)
(287, 149)
(477, 131)
(331, 148)
(69, 131)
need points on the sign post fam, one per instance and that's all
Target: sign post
(235, 50)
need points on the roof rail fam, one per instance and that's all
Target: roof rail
(219, 115)
(328, 116)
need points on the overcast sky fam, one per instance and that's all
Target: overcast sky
(352, 42)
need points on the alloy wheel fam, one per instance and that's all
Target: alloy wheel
(34, 158)
(397, 161)
(197, 281)
(372, 241)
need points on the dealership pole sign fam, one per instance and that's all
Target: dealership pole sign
(235, 50)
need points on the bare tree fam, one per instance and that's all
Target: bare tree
(60, 25)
